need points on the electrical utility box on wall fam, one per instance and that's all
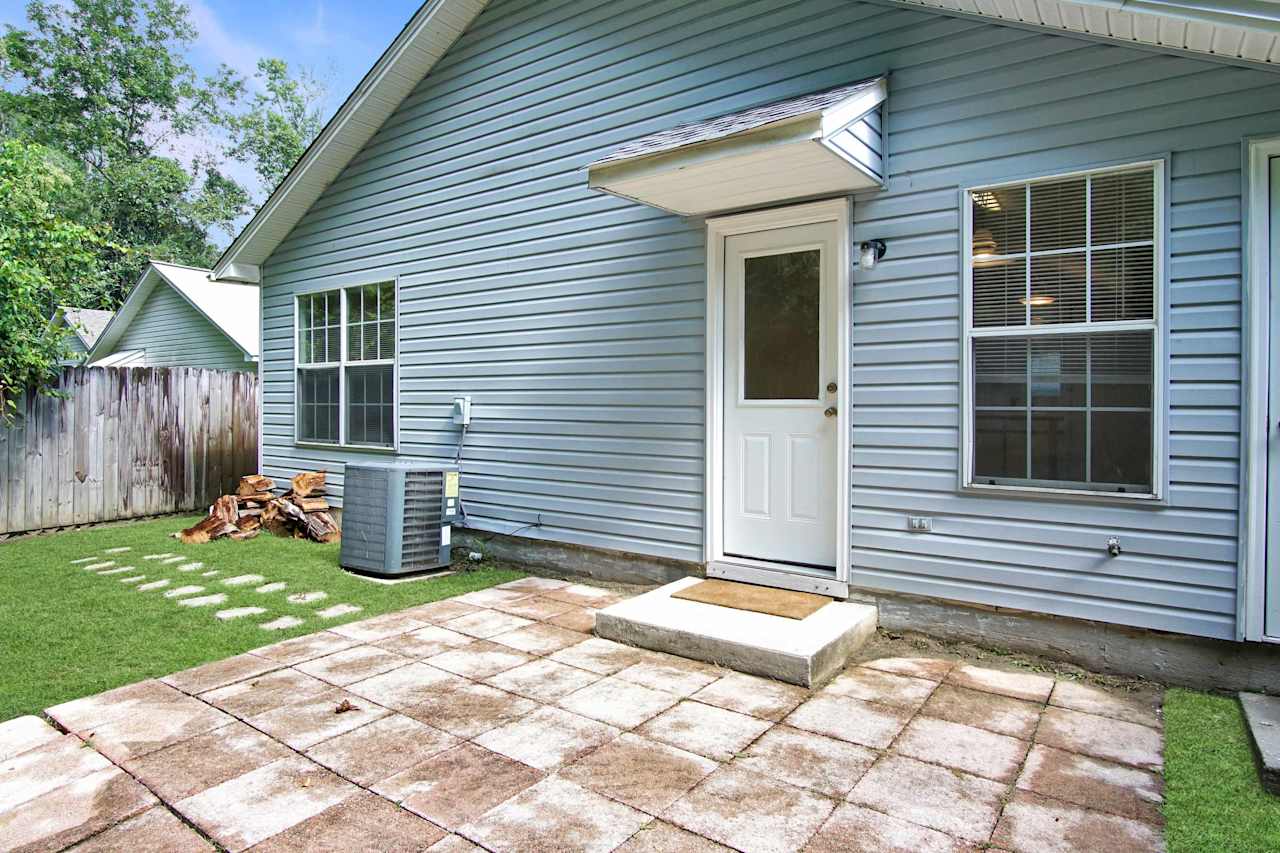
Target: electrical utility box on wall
(397, 515)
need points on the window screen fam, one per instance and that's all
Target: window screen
(1062, 333)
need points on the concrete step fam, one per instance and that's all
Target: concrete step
(1262, 714)
(798, 651)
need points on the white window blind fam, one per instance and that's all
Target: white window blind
(1062, 333)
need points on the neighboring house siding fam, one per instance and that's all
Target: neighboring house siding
(576, 320)
(174, 334)
(75, 347)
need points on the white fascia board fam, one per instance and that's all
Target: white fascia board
(409, 58)
(124, 315)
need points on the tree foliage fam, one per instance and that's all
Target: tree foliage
(278, 123)
(46, 259)
(121, 152)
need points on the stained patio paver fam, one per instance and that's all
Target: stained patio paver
(1101, 737)
(705, 729)
(750, 812)
(73, 812)
(157, 830)
(362, 822)
(949, 801)
(1001, 714)
(239, 813)
(547, 738)
(458, 785)
(399, 732)
(184, 769)
(556, 814)
(305, 723)
(1092, 782)
(24, 733)
(260, 694)
(854, 829)
(639, 772)
(1032, 823)
(807, 760)
(381, 749)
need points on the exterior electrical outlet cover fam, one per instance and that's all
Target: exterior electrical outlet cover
(396, 516)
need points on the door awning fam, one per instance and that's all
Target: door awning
(820, 144)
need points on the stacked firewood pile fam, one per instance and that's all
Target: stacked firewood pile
(302, 512)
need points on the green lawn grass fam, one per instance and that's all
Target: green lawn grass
(1213, 799)
(66, 632)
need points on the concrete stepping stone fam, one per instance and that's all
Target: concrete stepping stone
(83, 560)
(133, 579)
(307, 597)
(204, 600)
(243, 580)
(338, 610)
(160, 584)
(209, 574)
(158, 556)
(120, 550)
(237, 612)
(176, 558)
(190, 567)
(94, 567)
(281, 624)
(118, 571)
(178, 592)
(275, 586)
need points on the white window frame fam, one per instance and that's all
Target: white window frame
(1156, 325)
(343, 363)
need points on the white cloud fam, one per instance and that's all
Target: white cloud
(316, 34)
(220, 46)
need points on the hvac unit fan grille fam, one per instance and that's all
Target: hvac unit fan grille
(423, 517)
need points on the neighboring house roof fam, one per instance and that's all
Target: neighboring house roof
(1236, 30)
(230, 307)
(414, 52)
(87, 323)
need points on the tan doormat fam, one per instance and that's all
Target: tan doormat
(759, 599)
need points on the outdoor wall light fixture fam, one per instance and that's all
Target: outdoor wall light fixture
(870, 253)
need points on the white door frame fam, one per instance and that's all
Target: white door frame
(718, 229)
(1255, 422)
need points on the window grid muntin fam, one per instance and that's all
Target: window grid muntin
(1030, 408)
(1153, 171)
(342, 364)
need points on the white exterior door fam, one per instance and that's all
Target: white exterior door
(1271, 619)
(780, 392)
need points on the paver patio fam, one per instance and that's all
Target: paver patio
(493, 721)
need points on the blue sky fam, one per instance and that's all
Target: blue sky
(337, 40)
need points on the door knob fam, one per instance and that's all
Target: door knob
(830, 412)
(831, 387)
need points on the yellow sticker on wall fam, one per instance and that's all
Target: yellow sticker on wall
(450, 484)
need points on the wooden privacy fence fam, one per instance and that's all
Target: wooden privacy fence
(127, 442)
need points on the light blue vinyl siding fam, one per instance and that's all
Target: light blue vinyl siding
(172, 333)
(75, 347)
(575, 320)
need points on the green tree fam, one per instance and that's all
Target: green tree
(107, 82)
(46, 259)
(279, 122)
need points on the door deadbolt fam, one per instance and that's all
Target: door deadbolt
(831, 387)
(830, 412)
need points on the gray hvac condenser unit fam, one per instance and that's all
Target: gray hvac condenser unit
(396, 516)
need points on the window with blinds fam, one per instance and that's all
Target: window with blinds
(1062, 341)
(345, 366)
